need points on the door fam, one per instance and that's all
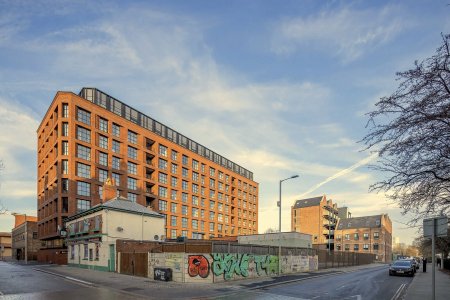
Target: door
(112, 259)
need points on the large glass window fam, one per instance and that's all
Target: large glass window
(184, 160)
(83, 205)
(132, 183)
(65, 185)
(103, 159)
(83, 170)
(103, 142)
(173, 195)
(116, 163)
(103, 124)
(65, 166)
(102, 175)
(163, 150)
(65, 148)
(115, 146)
(173, 221)
(116, 130)
(184, 197)
(162, 191)
(83, 152)
(83, 188)
(65, 110)
(174, 169)
(194, 164)
(83, 134)
(162, 164)
(194, 176)
(184, 185)
(162, 178)
(173, 208)
(184, 222)
(184, 210)
(132, 152)
(184, 172)
(132, 137)
(132, 168)
(65, 129)
(132, 197)
(174, 155)
(194, 188)
(163, 205)
(194, 224)
(83, 116)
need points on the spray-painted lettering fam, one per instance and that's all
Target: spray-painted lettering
(229, 265)
(198, 266)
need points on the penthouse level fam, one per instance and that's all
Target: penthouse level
(119, 108)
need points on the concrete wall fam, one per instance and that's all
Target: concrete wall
(285, 239)
(219, 267)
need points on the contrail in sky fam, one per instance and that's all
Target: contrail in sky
(341, 173)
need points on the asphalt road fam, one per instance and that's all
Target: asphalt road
(366, 284)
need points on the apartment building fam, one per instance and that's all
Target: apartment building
(86, 138)
(369, 234)
(318, 217)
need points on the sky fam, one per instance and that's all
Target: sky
(279, 87)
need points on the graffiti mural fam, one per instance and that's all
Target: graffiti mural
(198, 265)
(229, 265)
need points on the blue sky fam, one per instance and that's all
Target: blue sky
(279, 87)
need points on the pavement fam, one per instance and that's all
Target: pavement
(421, 286)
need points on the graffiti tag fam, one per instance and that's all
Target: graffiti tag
(198, 265)
(228, 265)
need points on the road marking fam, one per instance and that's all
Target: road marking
(398, 292)
(78, 280)
(341, 287)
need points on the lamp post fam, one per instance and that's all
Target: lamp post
(279, 226)
(26, 235)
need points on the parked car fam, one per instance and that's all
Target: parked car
(402, 267)
(414, 262)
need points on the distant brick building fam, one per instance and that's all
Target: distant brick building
(318, 217)
(25, 242)
(5, 246)
(369, 234)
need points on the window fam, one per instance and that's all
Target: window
(65, 166)
(115, 146)
(194, 200)
(355, 247)
(174, 169)
(184, 197)
(366, 236)
(184, 185)
(100, 191)
(83, 188)
(202, 213)
(162, 164)
(347, 236)
(132, 168)
(194, 188)
(194, 176)
(347, 247)
(132, 137)
(83, 170)
(203, 168)
(162, 191)
(212, 215)
(65, 185)
(103, 124)
(173, 208)
(212, 204)
(162, 205)
(366, 246)
(212, 183)
(212, 172)
(116, 130)
(184, 233)
(184, 223)
(184, 210)
(173, 233)
(194, 164)
(132, 152)
(116, 163)
(163, 150)
(65, 148)
(65, 129)
(103, 142)
(83, 134)
(211, 226)
(195, 224)
(65, 110)
(338, 247)
(102, 175)
(184, 173)
(132, 184)
(174, 155)
(162, 178)
(173, 195)
(356, 236)
(83, 116)
(195, 212)
(220, 175)
(184, 160)
(97, 251)
(116, 178)
(375, 246)
(376, 235)
(173, 221)
(83, 152)
(132, 197)
(174, 181)
(338, 237)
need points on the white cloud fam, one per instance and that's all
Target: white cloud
(346, 32)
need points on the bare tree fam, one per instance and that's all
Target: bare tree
(410, 130)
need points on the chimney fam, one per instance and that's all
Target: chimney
(109, 190)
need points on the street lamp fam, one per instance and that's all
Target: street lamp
(279, 226)
(26, 235)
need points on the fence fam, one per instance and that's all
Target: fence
(336, 259)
